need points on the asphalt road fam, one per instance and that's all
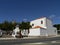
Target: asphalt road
(26, 41)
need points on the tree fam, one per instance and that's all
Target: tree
(7, 26)
(24, 26)
(57, 26)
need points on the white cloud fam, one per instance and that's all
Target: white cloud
(52, 16)
(25, 19)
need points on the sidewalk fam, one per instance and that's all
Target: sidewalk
(54, 36)
(41, 37)
(10, 38)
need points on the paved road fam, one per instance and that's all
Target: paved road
(27, 41)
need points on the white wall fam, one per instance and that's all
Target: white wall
(49, 23)
(43, 32)
(37, 22)
(50, 29)
(34, 32)
(15, 31)
(38, 32)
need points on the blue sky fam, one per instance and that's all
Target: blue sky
(20, 10)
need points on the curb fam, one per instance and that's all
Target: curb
(7, 38)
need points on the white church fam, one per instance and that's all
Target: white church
(40, 27)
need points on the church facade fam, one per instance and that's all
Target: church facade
(42, 27)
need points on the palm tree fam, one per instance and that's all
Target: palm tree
(24, 26)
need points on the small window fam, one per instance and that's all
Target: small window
(41, 22)
(32, 24)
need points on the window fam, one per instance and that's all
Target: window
(32, 24)
(41, 22)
